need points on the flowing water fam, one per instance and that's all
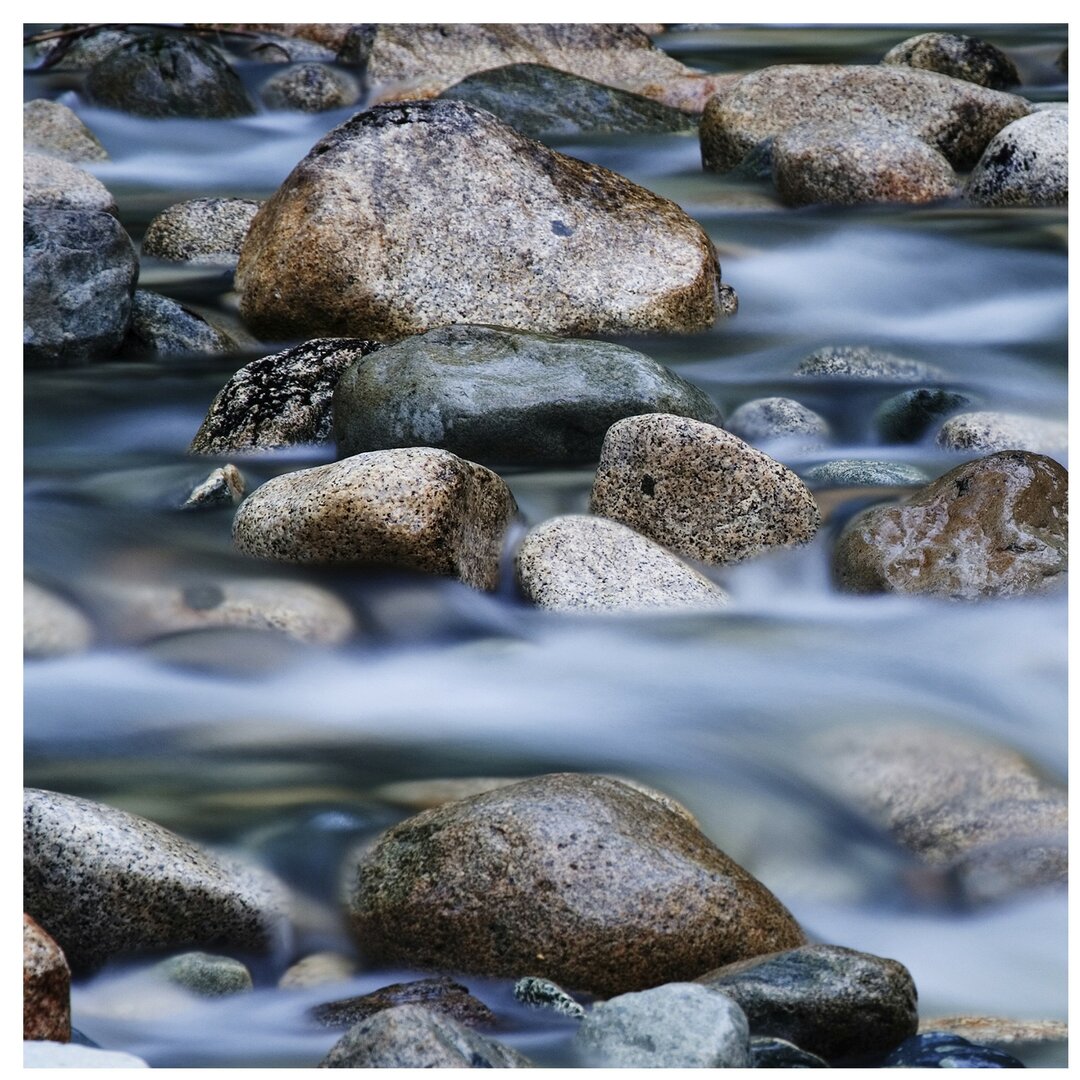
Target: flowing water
(274, 749)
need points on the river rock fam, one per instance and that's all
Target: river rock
(864, 362)
(223, 487)
(997, 1030)
(778, 418)
(997, 526)
(571, 249)
(985, 432)
(945, 1050)
(857, 472)
(770, 1053)
(958, 55)
(200, 231)
(418, 509)
(168, 75)
(845, 1006)
(46, 986)
(540, 101)
(310, 88)
(908, 416)
(280, 400)
(440, 995)
(79, 52)
(79, 273)
(318, 969)
(851, 163)
(163, 327)
(676, 1026)
(503, 396)
(1026, 164)
(270, 48)
(52, 626)
(611, 891)
(582, 563)
(53, 129)
(699, 490)
(206, 975)
(956, 118)
(105, 883)
(50, 183)
(57, 1055)
(544, 994)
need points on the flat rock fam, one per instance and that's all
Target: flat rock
(957, 55)
(864, 362)
(503, 396)
(699, 490)
(418, 509)
(49, 183)
(906, 417)
(318, 969)
(676, 1026)
(778, 418)
(162, 327)
(200, 231)
(52, 128)
(310, 87)
(205, 974)
(105, 883)
(581, 563)
(573, 248)
(987, 431)
(845, 1006)
(284, 399)
(858, 472)
(51, 625)
(46, 986)
(1025, 164)
(611, 890)
(997, 526)
(440, 995)
(57, 1055)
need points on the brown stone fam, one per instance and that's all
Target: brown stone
(46, 986)
(998, 1030)
(441, 995)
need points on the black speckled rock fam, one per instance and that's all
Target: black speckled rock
(310, 88)
(958, 55)
(864, 362)
(847, 1007)
(944, 1050)
(52, 128)
(1026, 164)
(200, 231)
(544, 994)
(163, 327)
(205, 974)
(440, 995)
(908, 416)
(778, 418)
(770, 1053)
(105, 883)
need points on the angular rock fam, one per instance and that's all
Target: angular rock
(79, 273)
(46, 986)
(1025, 164)
(985, 432)
(105, 883)
(610, 890)
(864, 362)
(770, 1053)
(571, 249)
(908, 416)
(676, 1026)
(310, 88)
(857, 472)
(440, 995)
(847, 1007)
(56, 1055)
(957, 55)
(200, 231)
(418, 509)
(223, 487)
(778, 418)
(851, 163)
(52, 626)
(582, 563)
(502, 396)
(699, 490)
(162, 326)
(997, 526)
(944, 1050)
(50, 183)
(413, 1037)
(206, 975)
(316, 970)
(279, 400)
(52, 128)
(168, 75)
(544, 994)
(956, 118)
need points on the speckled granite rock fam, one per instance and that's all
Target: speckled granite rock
(997, 526)
(845, 1006)
(205, 974)
(676, 1026)
(223, 487)
(1026, 164)
(50, 183)
(52, 626)
(200, 231)
(310, 88)
(770, 1053)
(985, 432)
(440, 995)
(413, 1037)
(778, 418)
(46, 986)
(572, 248)
(105, 883)
(906, 417)
(957, 55)
(56, 1055)
(944, 1050)
(544, 994)
(162, 326)
(611, 891)
(700, 491)
(581, 563)
(955, 117)
(318, 969)
(279, 400)
(503, 397)
(419, 509)
(864, 362)
(52, 128)
(857, 472)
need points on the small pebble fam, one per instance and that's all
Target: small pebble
(205, 974)
(1026, 164)
(544, 994)
(310, 88)
(50, 183)
(223, 487)
(200, 231)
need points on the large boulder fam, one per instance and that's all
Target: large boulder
(1025, 164)
(412, 216)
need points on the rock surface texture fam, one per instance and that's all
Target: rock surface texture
(957, 55)
(51, 183)
(863, 362)
(412, 216)
(440, 995)
(200, 231)
(987, 431)
(52, 128)
(778, 418)
(1025, 164)
(310, 88)
(46, 986)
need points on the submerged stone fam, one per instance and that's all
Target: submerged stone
(778, 418)
(908, 416)
(864, 362)
(206, 975)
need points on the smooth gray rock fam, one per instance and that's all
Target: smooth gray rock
(200, 231)
(223, 487)
(906, 417)
(503, 397)
(205, 974)
(51, 625)
(310, 87)
(676, 1026)
(957, 55)
(105, 883)
(864, 362)
(49, 183)
(986, 431)
(857, 472)
(1026, 164)
(163, 327)
(778, 418)
(57, 1055)
(544, 994)
(79, 273)
(52, 128)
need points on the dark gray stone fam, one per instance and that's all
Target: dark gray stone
(944, 1050)
(57, 1055)
(770, 1053)
(163, 327)
(957, 55)
(906, 417)
(440, 995)
(864, 362)
(206, 975)
(200, 231)
(310, 88)
(1026, 164)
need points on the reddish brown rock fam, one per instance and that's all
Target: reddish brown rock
(46, 986)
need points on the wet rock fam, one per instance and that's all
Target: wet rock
(997, 1030)
(908, 416)
(573, 248)
(57, 1055)
(52, 184)
(79, 273)
(223, 487)
(944, 1050)
(200, 231)
(778, 418)
(611, 891)
(418, 509)
(52, 626)
(864, 362)
(700, 491)
(310, 88)
(677, 1026)
(53, 129)
(851, 163)
(502, 396)
(168, 75)
(539, 101)
(440, 995)
(1025, 164)
(46, 986)
(985, 432)
(544, 994)
(82, 51)
(318, 969)
(206, 975)
(280, 400)
(582, 563)
(957, 55)
(769, 1053)
(105, 883)
(859, 473)
(163, 327)
(997, 526)
(847, 1007)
